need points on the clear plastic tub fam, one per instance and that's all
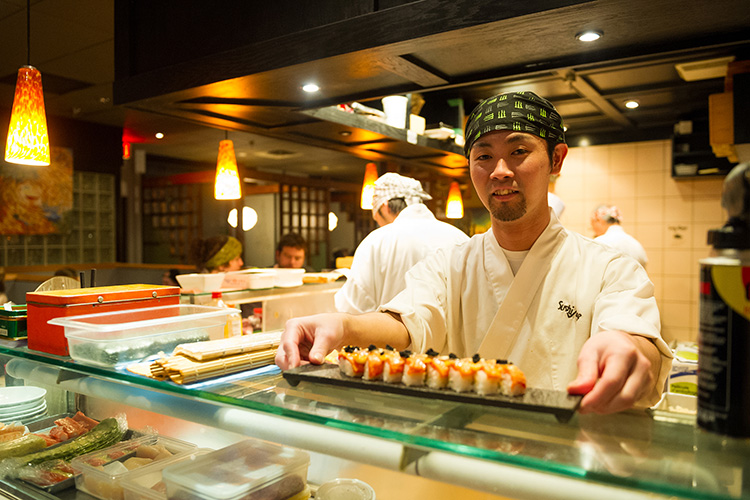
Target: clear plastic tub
(115, 339)
(249, 279)
(99, 475)
(147, 484)
(248, 470)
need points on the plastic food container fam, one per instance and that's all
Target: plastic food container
(345, 489)
(147, 484)
(249, 279)
(248, 470)
(106, 484)
(201, 282)
(115, 339)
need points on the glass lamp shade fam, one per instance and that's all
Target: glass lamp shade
(227, 183)
(368, 186)
(28, 143)
(454, 208)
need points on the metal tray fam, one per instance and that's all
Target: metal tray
(559, 403)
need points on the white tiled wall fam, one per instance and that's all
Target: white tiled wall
(669, 217)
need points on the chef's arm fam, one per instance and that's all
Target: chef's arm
(379, 328)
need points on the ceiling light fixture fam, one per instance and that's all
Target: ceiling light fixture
(159, 135)
(310, 87)
(368, 186)
(454, 208)
(28, 142)
(589, 36)
(632, 104)
(227, 182)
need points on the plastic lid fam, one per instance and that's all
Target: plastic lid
(345, 489)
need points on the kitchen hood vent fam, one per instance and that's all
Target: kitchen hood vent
(704, 70)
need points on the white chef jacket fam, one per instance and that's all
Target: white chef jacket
(382, 259)
(615, 237)
(567, 289)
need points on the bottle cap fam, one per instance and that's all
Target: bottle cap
(215, 295)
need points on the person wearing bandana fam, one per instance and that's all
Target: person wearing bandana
(570, 313)
(217, 254)
(408, 232)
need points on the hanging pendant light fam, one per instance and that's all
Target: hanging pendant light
(368, 186)
(227, 183)
(454, 208)
(28, 143)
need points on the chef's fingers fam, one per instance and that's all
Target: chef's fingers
(588, 373)
(317, 352)
(614, 371)
(287, 356)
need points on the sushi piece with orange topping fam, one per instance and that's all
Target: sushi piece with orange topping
(461, 374)
(415, 368)
(488, 377)
(352, 361)
(374, 364)
(393, 366)
(438, 368)
(513, 380)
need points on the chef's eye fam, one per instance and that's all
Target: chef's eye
(520, 151)
(481, 157)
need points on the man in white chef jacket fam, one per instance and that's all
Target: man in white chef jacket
(605, 221)
(408, 232)
(572, 314)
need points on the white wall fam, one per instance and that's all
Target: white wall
(669, 217)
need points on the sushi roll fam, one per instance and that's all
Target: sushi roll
(461, 374)
(374, 364)
(513, 381)
(487, 378)
(393, 366)
(352, 361)
(415, 369)
(438, 368)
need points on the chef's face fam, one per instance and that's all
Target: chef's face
(511, 171)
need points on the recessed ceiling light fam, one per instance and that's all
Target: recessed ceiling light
(589, 35)
(159, 135)
(310, 87)
(345, 133)
(632, 104)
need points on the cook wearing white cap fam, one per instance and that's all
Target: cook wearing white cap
(408, 232)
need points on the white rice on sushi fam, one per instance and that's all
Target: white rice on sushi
(415, 369)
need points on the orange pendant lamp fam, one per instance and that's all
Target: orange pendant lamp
(28, 142)
(368, 186)
(454, 208)
(227, 182)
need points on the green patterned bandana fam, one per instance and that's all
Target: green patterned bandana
(231, 249)
(518, 111)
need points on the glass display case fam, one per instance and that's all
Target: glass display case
(506, 451)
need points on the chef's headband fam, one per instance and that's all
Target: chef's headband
(390, 186)
(518, 111)
(229, 251)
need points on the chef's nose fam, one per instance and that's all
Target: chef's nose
(501, 170)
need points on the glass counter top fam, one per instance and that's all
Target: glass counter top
(644, 451)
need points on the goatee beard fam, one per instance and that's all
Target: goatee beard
(506, 212)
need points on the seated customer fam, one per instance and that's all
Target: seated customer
(291, 251)
(217, 254)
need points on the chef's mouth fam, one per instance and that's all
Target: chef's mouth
(504, 192)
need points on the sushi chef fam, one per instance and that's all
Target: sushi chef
(572, 314)
(408, 232)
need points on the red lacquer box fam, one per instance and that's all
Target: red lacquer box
(43, 306)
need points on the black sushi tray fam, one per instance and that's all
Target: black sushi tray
(559, 403)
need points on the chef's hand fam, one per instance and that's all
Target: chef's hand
(615, 369)
(309, 338)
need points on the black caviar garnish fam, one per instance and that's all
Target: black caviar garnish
(350, 349)
(475, 358)
(405, 353)
(452, 356)
(389, 347)
(501, 361)
(432, 352)
(371, 347)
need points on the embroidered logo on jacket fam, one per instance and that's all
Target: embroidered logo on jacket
(569, 310)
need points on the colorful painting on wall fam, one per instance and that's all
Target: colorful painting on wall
(35, 200)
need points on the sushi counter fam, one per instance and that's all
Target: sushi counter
(515, 450)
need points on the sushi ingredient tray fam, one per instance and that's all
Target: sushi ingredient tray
(559, 403)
